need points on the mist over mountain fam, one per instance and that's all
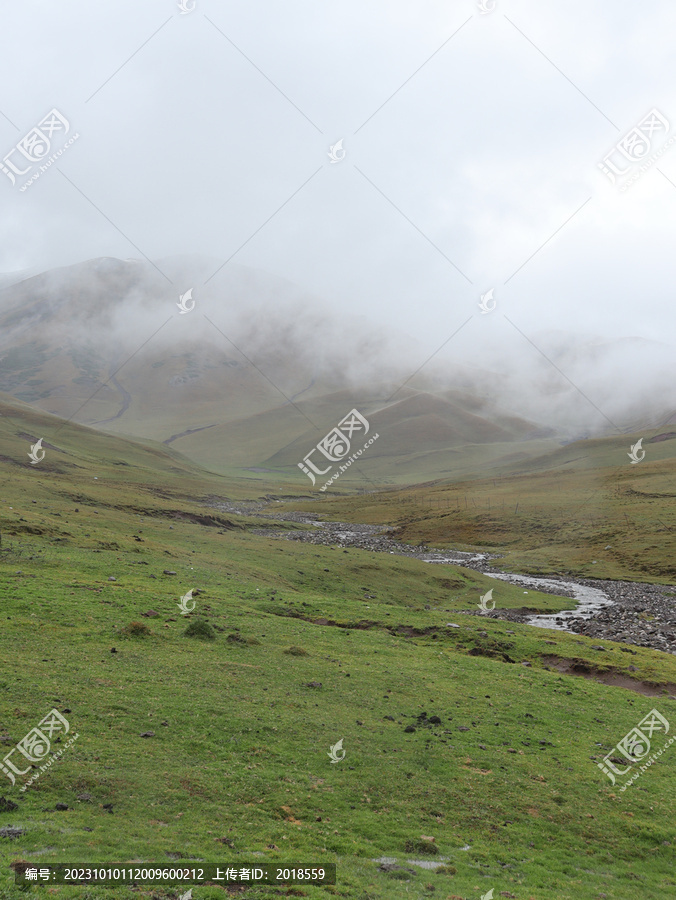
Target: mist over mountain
(258, 369)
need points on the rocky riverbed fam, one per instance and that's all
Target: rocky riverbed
(637, 613)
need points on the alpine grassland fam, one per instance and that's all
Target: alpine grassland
(206, 736)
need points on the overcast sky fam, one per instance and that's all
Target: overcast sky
(471, 140)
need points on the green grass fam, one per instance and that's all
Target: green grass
(237, 769)
(582, 510)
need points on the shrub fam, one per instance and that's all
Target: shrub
(296, 651)
(201, 630)
(137, 629)
(419, 846)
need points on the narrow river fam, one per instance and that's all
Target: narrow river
(371, 537)
(589, 600)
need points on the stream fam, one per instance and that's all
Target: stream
(589, 599)
(635, 613)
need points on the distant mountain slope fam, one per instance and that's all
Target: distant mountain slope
(253, 376)
(257, 372)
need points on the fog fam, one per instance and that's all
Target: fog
(471, 141)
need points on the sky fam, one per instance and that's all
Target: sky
(471, 142)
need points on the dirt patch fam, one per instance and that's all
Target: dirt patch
(667, 436)
(197, 519)
(609, 676)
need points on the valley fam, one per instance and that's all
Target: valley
(474, 746)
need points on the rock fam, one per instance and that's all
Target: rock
(463, 728)
(409, 729)
(168, 572)
(451, 625)
(113, 650)
(435, 720)
(84, 797)
(314, 684)
(111, 578)
(393, 867)
(151, 614)
(11, 832)
(109, 807)
(62, 807)
(148, 734)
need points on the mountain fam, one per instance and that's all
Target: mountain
(257, 372)
(253, 376)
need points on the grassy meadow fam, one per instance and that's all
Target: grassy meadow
(310, 645)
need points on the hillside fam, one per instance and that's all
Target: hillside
(235, 384)
(582, 509)
(218, 749)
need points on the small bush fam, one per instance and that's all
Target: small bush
(201, 630)
(137, 629)
(419, 846)
(446, 870)
(296, 651)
